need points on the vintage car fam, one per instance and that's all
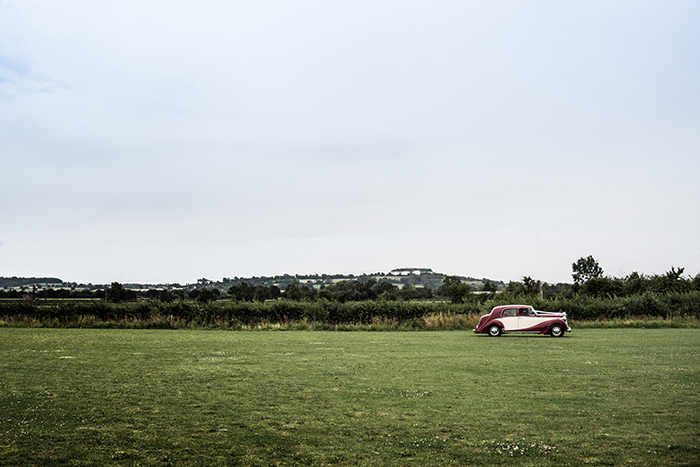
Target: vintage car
(522, 319)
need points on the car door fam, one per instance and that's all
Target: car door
(509, 319)
(526, 318)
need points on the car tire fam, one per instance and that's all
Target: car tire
(494, 330)
(556, 330)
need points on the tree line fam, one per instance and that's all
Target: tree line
(591, 296)
(590, 281)
(588, 277)
(345, 291)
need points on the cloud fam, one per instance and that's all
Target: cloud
(16, 74)
(239, 136)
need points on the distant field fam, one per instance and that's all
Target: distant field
(444, 398)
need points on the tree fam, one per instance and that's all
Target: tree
(453, 287)
(242, 292)
(635, 284)
(275, 292)
(261, 293)
(296, 291)
(532, 287)
(695, 282)
(670, 282)
(584, 269)
(115, 293)
(411, 292)
(293, 291)
(208, 295)
(153, 294)
(528, 286)
(603, 287)
(166, 296)
(179, 294)
(383, 289)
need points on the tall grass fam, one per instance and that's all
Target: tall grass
(640, 322)
(447, 321)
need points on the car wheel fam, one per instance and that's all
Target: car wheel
(494, 331)
(556, 330)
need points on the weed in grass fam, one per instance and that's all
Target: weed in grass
(519, 448)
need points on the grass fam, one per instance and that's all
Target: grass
(642, 322)
(443, 398)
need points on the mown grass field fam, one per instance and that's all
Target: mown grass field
(444, 398)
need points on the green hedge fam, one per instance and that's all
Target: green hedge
(577, 307)
(648, 304)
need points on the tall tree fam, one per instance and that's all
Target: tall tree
(115, 293)
(453, 287)
(242, 292)
(208, 295)
(584, 269)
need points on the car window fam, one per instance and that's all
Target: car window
(525, 312)
(509, 312)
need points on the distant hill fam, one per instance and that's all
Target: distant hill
(419, 277)
(7, 282)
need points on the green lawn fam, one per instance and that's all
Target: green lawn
(142, 397)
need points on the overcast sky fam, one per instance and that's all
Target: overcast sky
(166, 141)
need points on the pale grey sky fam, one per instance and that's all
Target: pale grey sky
(165, 141)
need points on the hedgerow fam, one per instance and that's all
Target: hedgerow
(334, 314)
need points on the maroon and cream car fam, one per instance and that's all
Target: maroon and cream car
(522, 319)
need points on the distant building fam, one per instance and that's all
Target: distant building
(410, 271)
